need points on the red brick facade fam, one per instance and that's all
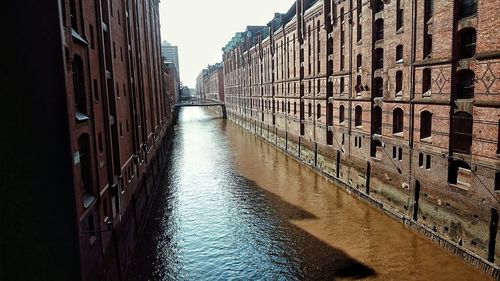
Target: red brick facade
(396, 99)
(210, 83)
(120, 115)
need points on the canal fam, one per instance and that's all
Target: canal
(235, 208)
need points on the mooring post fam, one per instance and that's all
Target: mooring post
(224, 112)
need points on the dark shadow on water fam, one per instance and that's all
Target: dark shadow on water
(271, 245)
(317, 260)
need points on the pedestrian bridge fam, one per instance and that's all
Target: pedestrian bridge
(195, 101)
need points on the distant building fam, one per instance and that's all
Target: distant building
(210, 83)
(173, 82)
(170, 54)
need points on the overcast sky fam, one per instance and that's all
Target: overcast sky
(202, 27)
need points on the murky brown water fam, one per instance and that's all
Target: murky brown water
(235, 208)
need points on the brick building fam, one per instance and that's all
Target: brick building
(210, 83)
(396, 100)
(119, 118)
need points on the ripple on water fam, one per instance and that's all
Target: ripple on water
(234, 208)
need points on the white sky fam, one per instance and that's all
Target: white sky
(202, 27)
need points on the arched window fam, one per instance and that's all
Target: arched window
(468, 8)
(397, 121)
(318, 111)
(426, 80)
(341, 114)
(379, 58)
(377, 121)
(465, 84)
(79, 85)
(378, 87)
(358, 116)
(399, 53)
(399, 81)
(379, 30)
(462, 132)
(467, 39)
(425, 124)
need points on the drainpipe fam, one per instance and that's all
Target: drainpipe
(412, 94)
(349, 17)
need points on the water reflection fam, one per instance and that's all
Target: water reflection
(235, 208)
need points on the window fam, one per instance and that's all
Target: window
(453, 168)
(377, 121)
(425, 124)
(421, 160)
(379, 6)
(318, 111)
(399, 15)
(465, 84)
(310, 109)
(394, 152)
(497, 181)
(429, 9)
(428, 162)
(399, 81)
(358, 87)
(397, 121)
(288, 107)
(96, 91)
(359, 61)
(329, 114)
(342, 86)
(79, 85)
(358, 25)
(399, 53)
(379, 58)
(294, 107)
(427, 46)
(85, 169)
(358, 116)
(73, 14)
(462, 123)
(378, 87)
(468, 8)
(341, 114)
(400, 154)
(379, 30)
(426, 80)
(467, 39)
(92, 41)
